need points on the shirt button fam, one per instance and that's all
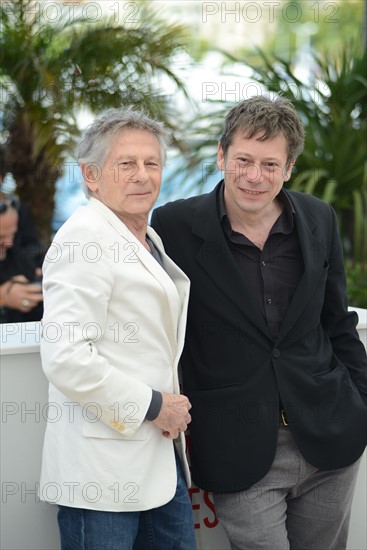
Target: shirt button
(268, 300)
(263, 263)
(276, 353)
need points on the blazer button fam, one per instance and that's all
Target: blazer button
(120, 426)
(276, 353)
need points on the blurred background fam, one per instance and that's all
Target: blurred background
(186, 63)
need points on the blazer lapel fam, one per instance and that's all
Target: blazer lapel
(215, 258)
(181, 284)
(146, 259)
(314, 255)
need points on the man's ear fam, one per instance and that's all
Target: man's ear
(91, 174)
(288, 171)
(220, 158)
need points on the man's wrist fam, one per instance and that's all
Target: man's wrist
(155, 406)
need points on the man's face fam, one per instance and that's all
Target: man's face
(130, 179)
(254, 173)
(8, 228)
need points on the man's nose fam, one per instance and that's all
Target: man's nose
(141, 173)
(252, 172)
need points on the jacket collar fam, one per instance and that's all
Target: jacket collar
(216, 260)
(172, 279)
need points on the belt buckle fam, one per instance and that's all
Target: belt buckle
(283, 417)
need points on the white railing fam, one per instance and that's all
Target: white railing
(27, 523)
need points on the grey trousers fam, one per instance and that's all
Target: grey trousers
(294, 507)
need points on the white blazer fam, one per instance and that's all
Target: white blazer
(113, 329)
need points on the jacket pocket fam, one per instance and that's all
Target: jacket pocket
(334, 367)
(100, 430)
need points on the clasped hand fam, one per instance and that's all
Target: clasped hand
(18, 293)
(174, 415)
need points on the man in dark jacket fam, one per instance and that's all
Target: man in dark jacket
(273, 364)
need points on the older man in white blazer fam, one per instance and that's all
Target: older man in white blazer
(113, 331)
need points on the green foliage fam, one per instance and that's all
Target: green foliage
(50, 70)
(357, 283)
(322, 25)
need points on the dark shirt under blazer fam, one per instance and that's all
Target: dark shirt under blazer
(273, 273)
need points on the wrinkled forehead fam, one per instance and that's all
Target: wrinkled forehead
(134, 142)
(276, 141)
(260, 134)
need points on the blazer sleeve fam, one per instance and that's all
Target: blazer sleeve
(78, 279)
(339, 323)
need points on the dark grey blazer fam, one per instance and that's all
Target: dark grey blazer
(233, 372)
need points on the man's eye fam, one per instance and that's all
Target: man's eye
(126, 165)
(270, 165)
(243, 161)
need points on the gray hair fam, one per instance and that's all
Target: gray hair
(261, 114)
(95, 143)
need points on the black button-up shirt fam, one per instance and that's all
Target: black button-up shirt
(272, 274)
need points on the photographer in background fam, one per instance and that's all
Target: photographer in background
(21, 255)
(20, 275)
